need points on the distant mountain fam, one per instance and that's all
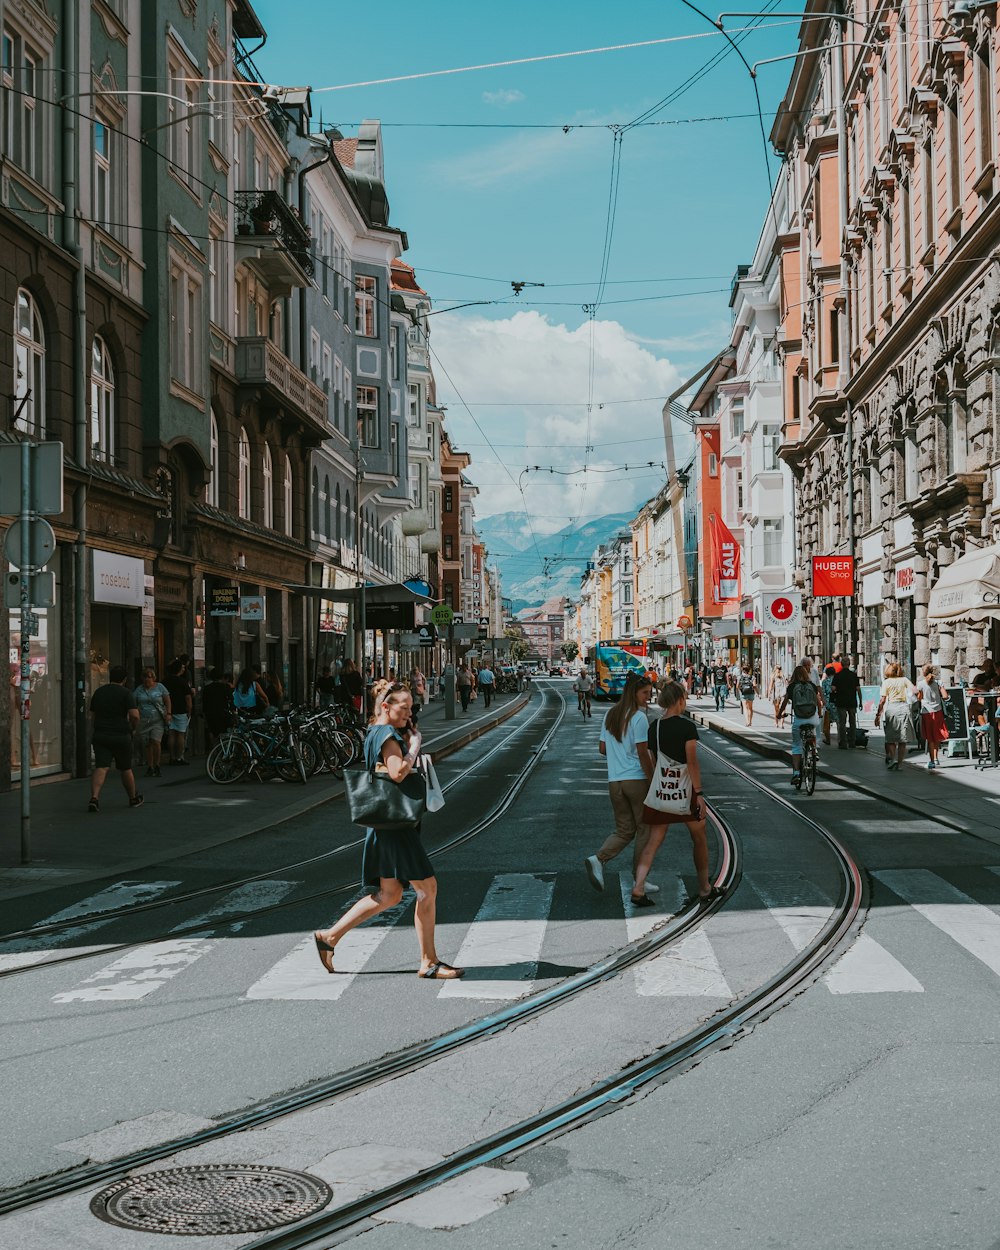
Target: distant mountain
(508, 539)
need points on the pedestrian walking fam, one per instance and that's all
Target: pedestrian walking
(487, 684)
(181, 705)
(463, 684)
(418, 687)
(806, 702)
(393, 860)
(720, 684)
(826, 685)
(326, 688)
(116, 717)
(777, 688)
(249, 695)
(353, 685)
(217, 705)
(625, 746)
(673, 740)
(846, 690)
(747, 686)
(153, 701)
(932, 698)
(896, 694)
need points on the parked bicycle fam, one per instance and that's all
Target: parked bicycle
(261, 748)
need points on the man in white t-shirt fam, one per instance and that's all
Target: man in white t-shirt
(583, 686)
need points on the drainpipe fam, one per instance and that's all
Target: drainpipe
(837, 84)
(71, 242)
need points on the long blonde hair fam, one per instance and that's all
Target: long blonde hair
(621, 714)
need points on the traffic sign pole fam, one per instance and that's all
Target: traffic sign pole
(25, 653)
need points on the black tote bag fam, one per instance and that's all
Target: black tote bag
(377, 802)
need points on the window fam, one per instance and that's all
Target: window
(325, 262)
(215, 93)
(874, 494)
(365, 295)
(367, 402)
(773, 534)
(29, 368)
(23, 80)
(337, 519)
(219, 292)
(315, 502)
(449, 499)
(449, 547)
(212, 490)
(984, 102)
(883, 100)
(314, 355)
(772, 437)
(905, 230)
(953, 133)
(7, 97)
(30, 116)
(267, 478)
(834, 337)
(413, 410)
(713, 465)
(394, 353)
(243, 499)
(327, 368)
(394, 449)
(929, 193)
(182, 123)
(187, 341)
(327, 509)
(413, 473)
(737, 416)
(956, 448)
(887, 258)
(103, 214)
(739, 490)
(903, 57)
(911, 472)
(102, 403)
(288, 499)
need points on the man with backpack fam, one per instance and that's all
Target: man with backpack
(846, 688)
(720, 684)
(747, 687)
(806, 702)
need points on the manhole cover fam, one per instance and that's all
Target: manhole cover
(215, 1199)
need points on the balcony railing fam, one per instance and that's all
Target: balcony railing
(260, 363)
(265, 212)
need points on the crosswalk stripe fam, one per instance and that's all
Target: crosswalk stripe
(640, 921)
(690, 969)
(507, 932)
(27, 952)
(245, 898)
(800, 922)
(138, 973)
(975, 928)
(868, 968)
(300, 977)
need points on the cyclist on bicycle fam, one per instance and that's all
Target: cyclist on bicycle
(806, 703)
(583, 686)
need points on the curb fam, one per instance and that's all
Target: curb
(295, 809)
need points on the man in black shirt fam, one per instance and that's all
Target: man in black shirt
(178, 686)
(846, 687)
(720, 683)
(116, 716)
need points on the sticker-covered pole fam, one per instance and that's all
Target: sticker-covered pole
(25, 652)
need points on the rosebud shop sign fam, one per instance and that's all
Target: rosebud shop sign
(833, 575)
(117, 579)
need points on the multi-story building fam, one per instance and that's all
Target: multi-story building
(889, 345)
(453, 462)
(543, 629)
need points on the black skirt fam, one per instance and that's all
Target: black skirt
(394, 855)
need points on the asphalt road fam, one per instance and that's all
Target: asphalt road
(861, 1114)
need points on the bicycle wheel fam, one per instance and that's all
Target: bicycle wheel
(809, 768)
(228, 761)
(302, 764)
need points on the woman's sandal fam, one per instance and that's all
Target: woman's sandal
(714, 893)
(324, 948)
(643, 900)
(433, 972)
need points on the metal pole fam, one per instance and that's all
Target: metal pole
(449, 675)
(25, 653)
(361, 622)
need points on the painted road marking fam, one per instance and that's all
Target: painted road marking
(975, 928)
(245, 898)
(138, 973)
(507, 932)
(868, 968)
(690, 969)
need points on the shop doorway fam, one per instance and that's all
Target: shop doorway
(110, 644)
(164, 644)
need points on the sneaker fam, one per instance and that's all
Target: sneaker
(150, 772)
(182, 760)
(137, 801)
(930, 763)
(652, 887)
(796, 778)
(92, 805)
(156, 771)
(595, 872)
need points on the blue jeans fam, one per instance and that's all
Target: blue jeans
(720, 698)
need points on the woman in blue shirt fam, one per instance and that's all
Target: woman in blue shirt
(630, 767)
(393, 860)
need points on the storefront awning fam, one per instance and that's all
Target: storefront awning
(969, 589)
(662, 641)
(375, 596)
(728, 628)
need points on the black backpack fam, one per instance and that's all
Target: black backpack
(804, 699)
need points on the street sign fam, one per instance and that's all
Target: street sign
(426, 635)
(442, 615)
(684, 622)
(41, 543)
(466, 633)
(41, 590)
(782, 611)
(484, 627)
(46, 478)
(458, 619)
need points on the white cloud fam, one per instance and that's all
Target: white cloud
(530, 376)
(504, 97)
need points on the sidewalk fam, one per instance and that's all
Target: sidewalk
(955, 793)
(184, 812)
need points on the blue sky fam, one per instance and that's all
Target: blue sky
(498, 200)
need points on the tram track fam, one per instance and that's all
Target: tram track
(111, 915)
(418, 1056)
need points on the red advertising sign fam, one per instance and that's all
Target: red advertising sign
(833, 575)
(725, 562)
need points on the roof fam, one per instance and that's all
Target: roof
(404, 278)
(345, 150)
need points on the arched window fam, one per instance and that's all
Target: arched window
(268, 475)
(349, 523)
(29, 367)
(337, 523)
(327, 510)
(288, 497)
(212, 490)
(102, 403)
(244, 483)
(315, 503)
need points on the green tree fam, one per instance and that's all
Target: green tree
(518, 645)
(570, 650)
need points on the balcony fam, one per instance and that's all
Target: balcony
(264, 367)
(272, 242)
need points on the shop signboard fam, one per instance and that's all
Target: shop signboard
(389, 616)
(224, 601)
(870, 696)
(118, 579)
(833, 576)
(904, 580)
(782, 611)
(956, 714)
(251, 607)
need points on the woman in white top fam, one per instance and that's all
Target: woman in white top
(897, 691)
(630, 767)
(776, 691)
(932, 700)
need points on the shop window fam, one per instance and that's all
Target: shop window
(288, 500)
(45, 737)
(102, 403)
(29, 368)
(267, 475)
(243, 501)
(212, 489)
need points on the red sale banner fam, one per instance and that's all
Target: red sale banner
(833, 575)
(725, 562)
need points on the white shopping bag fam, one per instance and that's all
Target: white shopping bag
(435, 795)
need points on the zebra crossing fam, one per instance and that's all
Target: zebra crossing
(504, 944)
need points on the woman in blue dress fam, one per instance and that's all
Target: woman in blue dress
(391, 861)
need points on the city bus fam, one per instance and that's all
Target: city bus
(611, 662)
